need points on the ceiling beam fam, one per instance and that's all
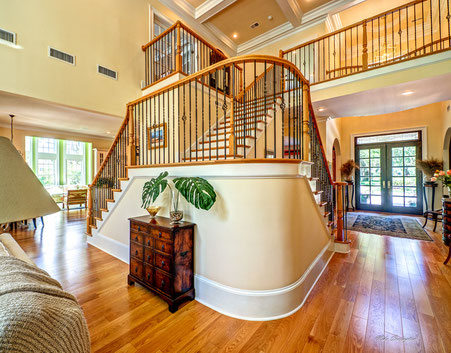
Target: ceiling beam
(291, 10)
(210, 8)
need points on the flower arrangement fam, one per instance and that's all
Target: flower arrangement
(444, 177)
(429, 166)
(348, 168)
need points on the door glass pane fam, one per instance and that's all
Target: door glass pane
(404, 182)
(370, 176)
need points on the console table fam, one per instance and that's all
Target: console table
(161, 258)
(431, 214)
(446, 203)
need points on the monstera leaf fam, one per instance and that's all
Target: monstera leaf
(153, 188)
(197, 191)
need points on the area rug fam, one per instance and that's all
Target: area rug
(394, 226)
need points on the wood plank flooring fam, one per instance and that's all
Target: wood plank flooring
(388, 295)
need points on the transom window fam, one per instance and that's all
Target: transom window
(405, 136)
(46, 145)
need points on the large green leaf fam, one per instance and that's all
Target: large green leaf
(196, 191)
(153, 188)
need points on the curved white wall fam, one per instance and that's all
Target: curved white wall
(259, 249)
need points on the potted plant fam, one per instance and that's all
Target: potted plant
(195, 190)
(444, 177)
(429, 167)
(347, 169)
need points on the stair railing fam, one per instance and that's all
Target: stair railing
(206, 117)
(413, 30)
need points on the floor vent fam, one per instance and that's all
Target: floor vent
(107, 72)
(7, 36)
(57, 54)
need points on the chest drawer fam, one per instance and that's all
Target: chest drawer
(161, 234)
(149, 274)
(163, 246)
(148, 255)
(163, 282)
(163, 262)
(136, 237)
(136, 250)
(149, 241)
(136, 268)
(138, 227)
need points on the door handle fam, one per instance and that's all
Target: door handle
(383, 184)
(389, 184)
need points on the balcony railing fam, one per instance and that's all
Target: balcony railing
(410, 31)
(178, 49)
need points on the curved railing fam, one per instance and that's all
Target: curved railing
(212, 115)
(413, 30)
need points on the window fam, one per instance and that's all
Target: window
(405, 136)
(59, 162)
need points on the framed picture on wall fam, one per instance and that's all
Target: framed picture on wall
(157, 136)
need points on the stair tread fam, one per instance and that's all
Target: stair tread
(219, 148)
(123, 179)
(116, 190)
(93, 226)
(213, 157)
(318, 192)
(323, 203)
(110, 200)
(98, 218)
(313, 178)
(326, 214)
(104, 210)
(227, 126)
(221, 140)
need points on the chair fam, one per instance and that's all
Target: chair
(76, 197)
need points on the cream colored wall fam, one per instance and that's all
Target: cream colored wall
(105, 32)
(19, 138)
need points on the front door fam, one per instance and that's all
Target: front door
(388, 180)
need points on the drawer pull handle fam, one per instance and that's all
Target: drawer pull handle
(162, 263)
(148, 276)
(162, 247)
(136, 238)
(159, 234)
(183, 254)
(148, 243)
(139, 228)
(148, 258)
(162, 283)
(136, 269)
(136, 252)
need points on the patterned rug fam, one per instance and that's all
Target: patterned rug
(395, 226)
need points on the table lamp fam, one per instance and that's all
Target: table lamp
(22, 196)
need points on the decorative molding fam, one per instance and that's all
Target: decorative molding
(110, 246)
(291, 10)
(209, 8)
(222, 36)
(262, 305)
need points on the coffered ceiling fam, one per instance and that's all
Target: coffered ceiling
(240, 26)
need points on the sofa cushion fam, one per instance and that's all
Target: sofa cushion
(13, 248)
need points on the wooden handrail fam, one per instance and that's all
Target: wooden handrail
(115, 141)
(225, 63)
(253, 83)
(413, 3)
(161, 35)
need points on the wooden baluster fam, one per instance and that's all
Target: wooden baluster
(305, 123)
(89, 217)
(365, 47)
(131, 155)
(232, 130)
(178, 58)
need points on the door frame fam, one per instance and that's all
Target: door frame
(421, 146)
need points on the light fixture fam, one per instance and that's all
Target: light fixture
(407, 93)
(235, 35)
(108, 132)
(321, 109)
(269, 18)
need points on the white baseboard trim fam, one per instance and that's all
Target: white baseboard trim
(262, 305)
(110, 246)
(343, 248)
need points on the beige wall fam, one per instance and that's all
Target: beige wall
(105, 32)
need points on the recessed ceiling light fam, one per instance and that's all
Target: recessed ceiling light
(321, 109)
(108, 132)
(235, 35)
(269, 17)
(407, 93)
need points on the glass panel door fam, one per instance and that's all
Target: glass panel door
(404, 180)
(369, 190)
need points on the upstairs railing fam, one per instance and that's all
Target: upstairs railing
(178, 50)
(410, 31)
(267, 114)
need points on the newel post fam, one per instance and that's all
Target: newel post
(340, 211)
(365, 47)
(89, 216)
(131, 155)
(178, 55)
(305, 123)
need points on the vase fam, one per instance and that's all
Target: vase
(175, 214)
(153, 210)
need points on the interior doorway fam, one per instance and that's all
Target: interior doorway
(388, 180)
(336, 160)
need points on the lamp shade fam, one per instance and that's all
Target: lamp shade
(22, 195)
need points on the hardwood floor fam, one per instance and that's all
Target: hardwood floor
(388, 295)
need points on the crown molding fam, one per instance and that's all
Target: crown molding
(209, 8)
(222, 36)
(291, 10)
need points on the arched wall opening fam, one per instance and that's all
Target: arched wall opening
(336, 160)
(447, 150)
